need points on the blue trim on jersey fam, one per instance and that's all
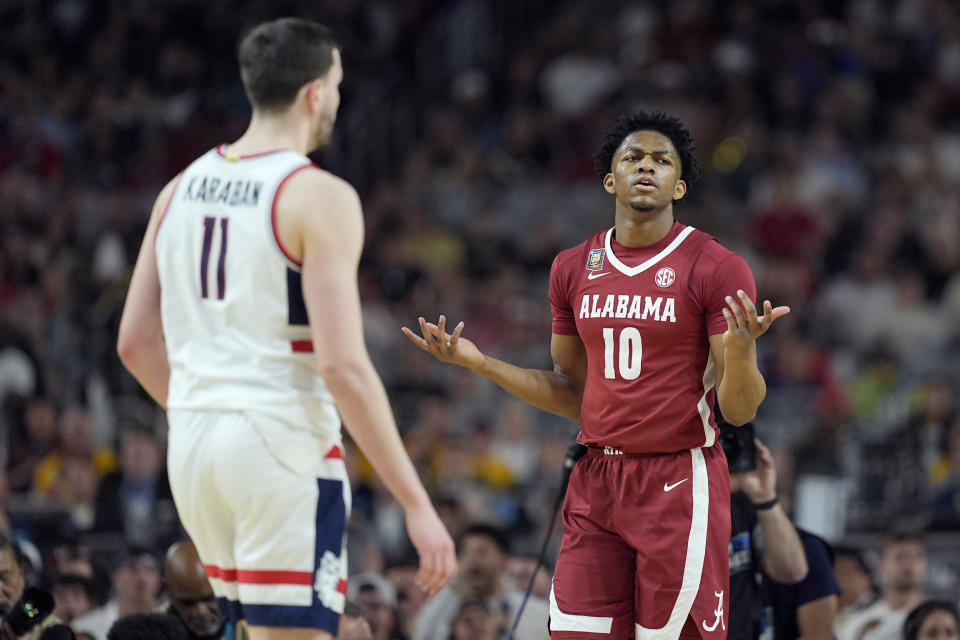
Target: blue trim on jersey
(331, 523)
(296, 307)
(276, 615)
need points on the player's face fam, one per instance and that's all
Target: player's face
(645, 172)
(329, 102)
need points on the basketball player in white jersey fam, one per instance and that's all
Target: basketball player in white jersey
(243, 320)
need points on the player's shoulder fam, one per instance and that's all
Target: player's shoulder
(314, 180)
(165, 197)
(167, 192)
(568, 258)
(311, 185)
(711, 251)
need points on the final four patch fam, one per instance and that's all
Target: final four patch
(595, 260)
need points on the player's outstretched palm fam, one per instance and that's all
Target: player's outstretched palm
(438, 559)
(446, 347)
(743, 324)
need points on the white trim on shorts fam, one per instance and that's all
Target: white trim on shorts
(696, 552)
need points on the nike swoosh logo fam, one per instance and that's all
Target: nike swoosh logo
(598, 275)
(671, 487)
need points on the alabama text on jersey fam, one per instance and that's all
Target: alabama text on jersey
(645, 316)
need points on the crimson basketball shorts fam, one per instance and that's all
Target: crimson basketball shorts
(268, 525)
(644, 552)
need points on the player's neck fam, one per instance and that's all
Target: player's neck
(270, 133)
(641, 228)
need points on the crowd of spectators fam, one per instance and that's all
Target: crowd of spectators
(829, 139)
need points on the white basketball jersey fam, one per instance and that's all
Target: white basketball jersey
(234, 318)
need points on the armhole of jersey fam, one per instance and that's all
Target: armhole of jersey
(166, 207)
(701, 239)
(273, 215)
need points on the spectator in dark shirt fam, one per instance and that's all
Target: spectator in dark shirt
(763, 543)
(806, 609)
(136, 500)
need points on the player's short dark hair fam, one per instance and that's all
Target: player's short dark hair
(916, 617)
(669, 126)
(278, 57)
(494, 533)
(148, 626)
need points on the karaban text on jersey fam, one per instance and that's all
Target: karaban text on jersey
(661, 309)
(233, 193)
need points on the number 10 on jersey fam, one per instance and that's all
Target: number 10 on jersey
(209, 227)
(629, 349)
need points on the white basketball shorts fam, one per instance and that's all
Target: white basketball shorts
(269, 527)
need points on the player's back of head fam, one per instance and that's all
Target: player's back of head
(278, 57)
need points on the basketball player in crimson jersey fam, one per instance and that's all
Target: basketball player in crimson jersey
(652, 320)
(243, 320)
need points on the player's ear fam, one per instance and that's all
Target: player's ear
(680, 190)
(609, 184)
(314, 94)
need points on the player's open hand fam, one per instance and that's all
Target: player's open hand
(743, 324)
(438, 558)
(446, 347)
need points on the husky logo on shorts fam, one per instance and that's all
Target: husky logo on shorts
(595, 260)
(327, 578)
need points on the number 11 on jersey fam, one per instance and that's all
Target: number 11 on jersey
(628, 354)
(209, 226)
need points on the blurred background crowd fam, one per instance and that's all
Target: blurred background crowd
(828, 135)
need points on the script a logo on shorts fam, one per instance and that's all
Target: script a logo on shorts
(717, 612)
(327, 578)
(665, 277)
(595, 259)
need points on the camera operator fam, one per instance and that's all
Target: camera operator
(763, 541)
(24, 618)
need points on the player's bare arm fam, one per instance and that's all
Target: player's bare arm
(328, 241)
(740, 385)
(140, 341)
(559, 391)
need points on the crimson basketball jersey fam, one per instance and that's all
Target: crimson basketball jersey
(645, 315)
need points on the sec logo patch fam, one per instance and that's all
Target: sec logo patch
(665, 277)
